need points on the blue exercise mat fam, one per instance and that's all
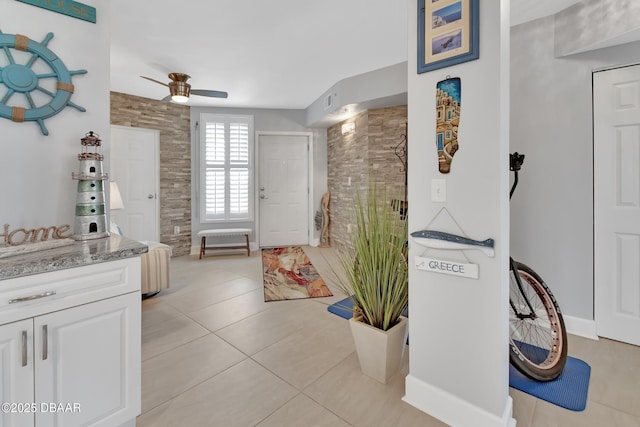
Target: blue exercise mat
(343, 308)
(568, 391)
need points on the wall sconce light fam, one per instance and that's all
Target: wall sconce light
(348, 127)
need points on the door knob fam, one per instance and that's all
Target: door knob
(150, 196)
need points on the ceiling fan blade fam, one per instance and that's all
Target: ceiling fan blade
(156, 81)
(211, 93)
(166, 98)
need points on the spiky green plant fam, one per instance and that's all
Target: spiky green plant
(376, 266)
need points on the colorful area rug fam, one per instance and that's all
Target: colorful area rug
(288, 274)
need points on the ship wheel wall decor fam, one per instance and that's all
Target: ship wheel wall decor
(21, 80)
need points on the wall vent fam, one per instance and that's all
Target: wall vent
(328, 102)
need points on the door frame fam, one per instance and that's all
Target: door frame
(256, 152)
(156, 162)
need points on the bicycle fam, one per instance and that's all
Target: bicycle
(537, 336)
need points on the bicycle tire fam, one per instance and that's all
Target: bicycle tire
(538, 346)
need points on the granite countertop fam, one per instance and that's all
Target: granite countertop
(74, 254)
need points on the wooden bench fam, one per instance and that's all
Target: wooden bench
(220, 233)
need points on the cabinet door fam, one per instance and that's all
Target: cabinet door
(16, 374)
(87, 364)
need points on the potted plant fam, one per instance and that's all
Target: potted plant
(376, 278)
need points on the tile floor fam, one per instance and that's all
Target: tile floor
(215, 354)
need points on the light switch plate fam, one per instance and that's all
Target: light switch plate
(438, 190)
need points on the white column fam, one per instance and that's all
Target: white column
(458, 326)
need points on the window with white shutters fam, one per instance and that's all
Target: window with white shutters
(226, 179)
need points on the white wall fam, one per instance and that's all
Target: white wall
(385, 87)
(593, 24)
(35, 174)
(551, 122)
(458, 326)
(267, 121)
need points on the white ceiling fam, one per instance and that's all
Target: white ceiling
(266, 54)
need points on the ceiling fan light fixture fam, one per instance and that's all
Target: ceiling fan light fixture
(179, 98)
(179, 91)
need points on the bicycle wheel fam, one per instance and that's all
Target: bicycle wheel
(537, 336)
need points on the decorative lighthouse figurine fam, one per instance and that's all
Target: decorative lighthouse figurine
(91, 219)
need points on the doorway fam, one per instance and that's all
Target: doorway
(283, 188)
(616, 132)
(134, 167)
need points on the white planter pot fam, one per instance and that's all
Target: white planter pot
(379, 352)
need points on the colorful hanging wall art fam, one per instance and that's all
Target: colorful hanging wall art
(447, 121)
(37, 84)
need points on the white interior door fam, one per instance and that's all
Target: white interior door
(283, 189)
(134, 166)
(617, 203)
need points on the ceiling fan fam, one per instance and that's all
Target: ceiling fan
(180, 89)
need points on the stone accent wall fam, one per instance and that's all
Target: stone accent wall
(173, 122)
(347, 170)
(386, 127)
(366, 154)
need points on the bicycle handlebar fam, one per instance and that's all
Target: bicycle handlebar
(515, 163)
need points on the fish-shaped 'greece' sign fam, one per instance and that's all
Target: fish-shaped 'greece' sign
(441, 240)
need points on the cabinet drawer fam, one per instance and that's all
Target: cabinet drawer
(30, 296)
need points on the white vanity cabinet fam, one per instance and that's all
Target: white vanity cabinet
(70, 347)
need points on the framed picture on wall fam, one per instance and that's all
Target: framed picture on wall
(448, 33)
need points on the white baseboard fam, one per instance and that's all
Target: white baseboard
(451, 409)
(581, 327)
